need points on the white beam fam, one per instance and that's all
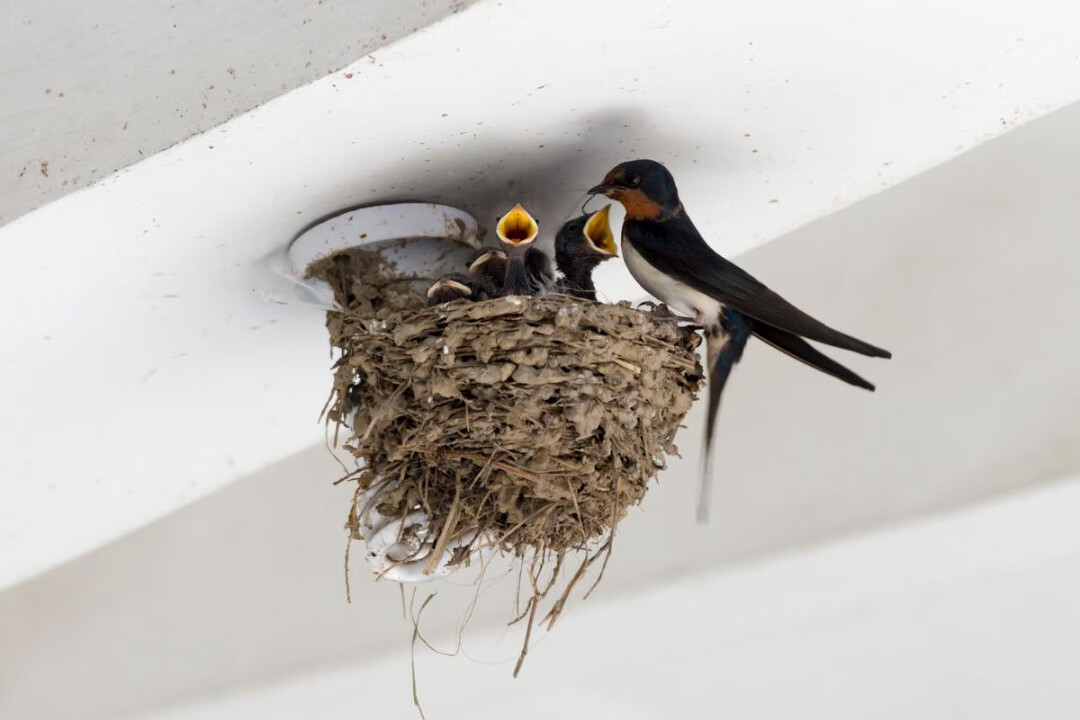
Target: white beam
(221, 593)
(969, 615)
(142, 365)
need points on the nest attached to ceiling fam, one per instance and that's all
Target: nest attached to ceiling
(535, 422)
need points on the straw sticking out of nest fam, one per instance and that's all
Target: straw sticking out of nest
(533, 422)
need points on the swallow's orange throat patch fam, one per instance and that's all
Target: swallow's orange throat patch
(638, 206)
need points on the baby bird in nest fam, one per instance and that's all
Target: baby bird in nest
(487, 270)
(488, 266)
(449, 288)
(528, 270)
(580, 245)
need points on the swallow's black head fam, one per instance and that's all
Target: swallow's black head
(644, 187)
(587, 239)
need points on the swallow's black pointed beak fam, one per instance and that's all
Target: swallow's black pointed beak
(601, 189)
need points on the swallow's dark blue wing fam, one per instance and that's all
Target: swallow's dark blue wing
(676, 249)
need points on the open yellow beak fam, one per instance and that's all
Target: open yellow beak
(598, 231)
(517, 227)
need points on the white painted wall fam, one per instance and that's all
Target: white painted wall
(972, 615)
(244, 586)
(142, 366)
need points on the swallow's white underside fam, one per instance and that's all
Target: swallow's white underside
(677, 295)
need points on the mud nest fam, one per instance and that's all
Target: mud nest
(536, 421)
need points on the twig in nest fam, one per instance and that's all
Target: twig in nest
(351, 473)
(610, 541)
(447, 531)
(354, 523)
(475, 599)
(521, 524)
(518, 614)
(606, 549)
(534, 602)
(554, 574)
(330, 399)
(382, 413)
(577, 510)
(485, 471)
(557, 608)
(412, 659)
(623, 364)
(475, 457)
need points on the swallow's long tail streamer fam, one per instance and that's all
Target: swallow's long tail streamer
(796, 347)
(724, 348)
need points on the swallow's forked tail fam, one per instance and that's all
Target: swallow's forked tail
(794, 346)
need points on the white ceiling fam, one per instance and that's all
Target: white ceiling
(244, 587)
(143, 365)
(147, 361)
(91, 87)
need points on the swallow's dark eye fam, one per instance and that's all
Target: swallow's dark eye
(633, 179)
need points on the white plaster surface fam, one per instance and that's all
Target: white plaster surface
(966, 272)
(146, 363)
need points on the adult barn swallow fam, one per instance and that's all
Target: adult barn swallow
(517, 230)
(668, 257)
(449, 288)
(580, 245)
(487, 269)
